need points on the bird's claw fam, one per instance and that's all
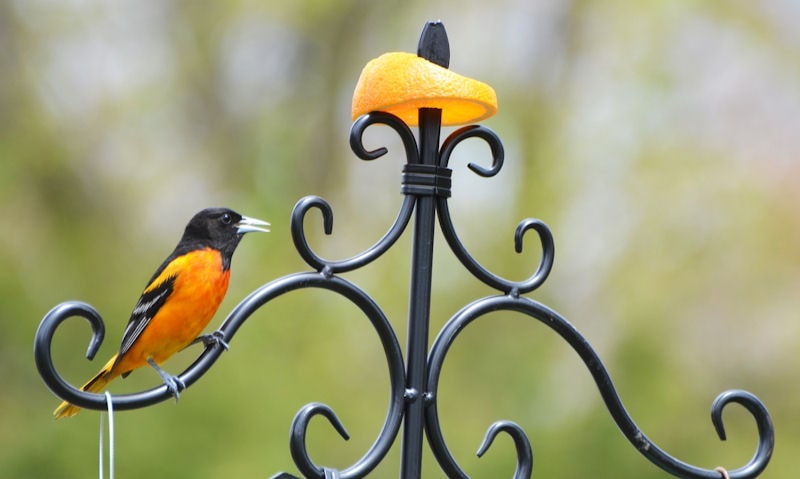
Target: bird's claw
(212, 339)
(174, 384)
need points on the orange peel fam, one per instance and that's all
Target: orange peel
(401, 83)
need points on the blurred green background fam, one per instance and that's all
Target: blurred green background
(658, 140)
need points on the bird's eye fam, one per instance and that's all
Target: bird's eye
(226, 219)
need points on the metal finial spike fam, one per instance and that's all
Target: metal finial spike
(433, 44)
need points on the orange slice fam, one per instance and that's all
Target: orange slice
(402, 83)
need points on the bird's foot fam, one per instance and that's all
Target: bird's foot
(173, 383)
(212, 339)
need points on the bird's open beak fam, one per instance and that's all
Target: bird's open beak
(250, 225)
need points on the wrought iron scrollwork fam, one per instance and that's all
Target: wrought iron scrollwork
(449, 231)
(413, 402)
(406, 209)
(62, 388)
(226, 331)
(605, 385)
(391, 349)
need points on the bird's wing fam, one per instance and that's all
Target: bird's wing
(148, 306)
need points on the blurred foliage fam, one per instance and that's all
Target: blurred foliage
(658, 140)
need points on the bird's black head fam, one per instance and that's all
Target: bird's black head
(219, 228)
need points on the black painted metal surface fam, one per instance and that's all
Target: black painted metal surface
(414, 383)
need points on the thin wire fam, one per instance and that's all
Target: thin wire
(722, 471)
(110, 405)
(100, 454)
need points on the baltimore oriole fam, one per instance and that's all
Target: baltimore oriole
(179, 300)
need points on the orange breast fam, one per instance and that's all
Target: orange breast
(200, 286)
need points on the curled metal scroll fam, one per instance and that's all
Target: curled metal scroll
(332, 267)
(449, 231)
(62, 388)
(390, 237)
(391, 347)
(394, 359)
(481, 307)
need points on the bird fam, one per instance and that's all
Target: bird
(179, 301)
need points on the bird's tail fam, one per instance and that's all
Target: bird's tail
(94, 385)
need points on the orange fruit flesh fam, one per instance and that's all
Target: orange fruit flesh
(402, 83)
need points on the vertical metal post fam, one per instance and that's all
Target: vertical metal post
(419, 303)
(433, 46)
